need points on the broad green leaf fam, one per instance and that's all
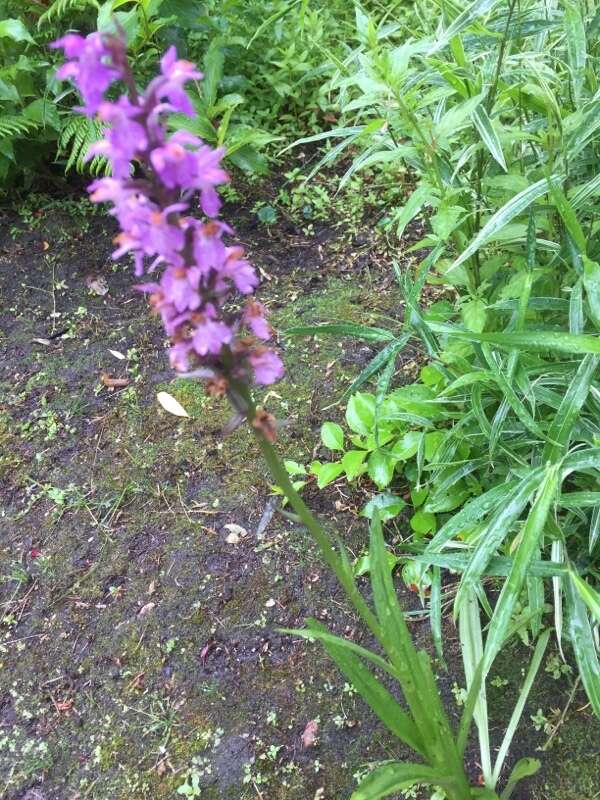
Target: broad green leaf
(360, 413)
(474, 315)
(15, 29)
(584, 646)
(326, 473)
(407, 446)
(515, 206)
(388, 506)
(380, 468)
(423, 523)
(353, 463)
(332, 436)
(489, 137)
(529, 539)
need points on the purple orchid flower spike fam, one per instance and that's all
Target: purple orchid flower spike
(155, 180)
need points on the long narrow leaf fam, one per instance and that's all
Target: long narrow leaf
(517, 205)
(530, 537)
(584, 646)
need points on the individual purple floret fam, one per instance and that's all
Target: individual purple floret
(157, 182)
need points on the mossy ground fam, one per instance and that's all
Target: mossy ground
(139, 649)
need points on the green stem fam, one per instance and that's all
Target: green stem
(244, 404)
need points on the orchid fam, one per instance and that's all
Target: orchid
(155, 178)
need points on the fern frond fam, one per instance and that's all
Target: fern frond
(75, 140)
(13, 125)
(60, 8)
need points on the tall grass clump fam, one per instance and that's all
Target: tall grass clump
(494, 109)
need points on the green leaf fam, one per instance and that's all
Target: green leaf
(584, 646)
(515, 206)
(529, 539)
(362, 332)
(569, 217)
(380, 468)
(536, 341)
(407, 446)
(520, 772)
(576, 46)
(368, 686)
(488, 135)
(474, 315)
(494, 533)
(353, 463)
(326, 473)
(388, 506)
(332, 436)
(473, 11)
(567, 415)
(14, 29)
(387, 356)
(589, 595)
(524, 768)
(360, 413)
(591, 282)
(394, 776)
(423, 523)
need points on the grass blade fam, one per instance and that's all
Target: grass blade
(475, 10)
(494, 534)
(373, 692)
(534, 666)
(515, 206)
(562, 425)
(362, 332)
(584, 647)
(488, 135)
(589, 596)
(530, 537)
(536, 341)
(471, 642)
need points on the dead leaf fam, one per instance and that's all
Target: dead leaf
(145, 609)
(42, 341)
(236, 532)
(113, 383)
(170, 404)
(97, 285)
(309, 737)
(151, 588)
(118, 355)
